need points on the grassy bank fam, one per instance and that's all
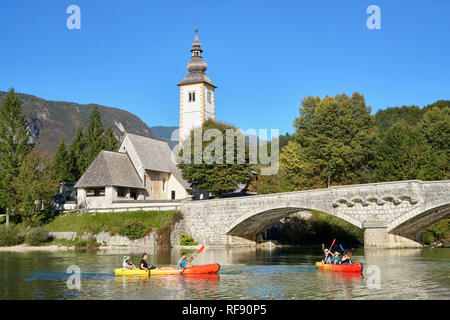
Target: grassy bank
(111, 222)
(133, 224)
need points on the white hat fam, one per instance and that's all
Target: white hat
(125, 258)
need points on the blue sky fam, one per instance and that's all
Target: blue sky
(264, 56)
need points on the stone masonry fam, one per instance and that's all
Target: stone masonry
(391, 214)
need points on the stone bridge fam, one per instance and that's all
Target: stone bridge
(392, 214)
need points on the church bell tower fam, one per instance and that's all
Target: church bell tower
(197, 93)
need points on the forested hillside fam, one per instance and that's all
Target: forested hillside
(52, 120)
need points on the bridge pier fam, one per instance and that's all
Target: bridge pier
(376, 236)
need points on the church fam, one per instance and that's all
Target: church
(142, 169)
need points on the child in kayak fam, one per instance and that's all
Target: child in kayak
(326, 258)
(144, 265)
(347, 258)
(127, 264)
(336, 259)
(182, 261)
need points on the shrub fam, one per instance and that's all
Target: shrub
(114, 231)
(133, 231)
(187, 240)
(10, 236)
(37, 236)
(83, 242)
(437, 232)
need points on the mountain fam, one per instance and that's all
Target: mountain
(165, 134)
(52, 120)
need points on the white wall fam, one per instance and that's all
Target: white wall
(175, 185)
(191, 114)
(127, 146)
(209, 106)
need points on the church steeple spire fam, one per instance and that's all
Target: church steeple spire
(197, 93)
(196, 66)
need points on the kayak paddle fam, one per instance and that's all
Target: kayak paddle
(332, 244)
(199, 250)
(342, 248)
(193, 257)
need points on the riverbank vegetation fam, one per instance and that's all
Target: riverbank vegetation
(319, 228)
(438, 234)
(133, 225)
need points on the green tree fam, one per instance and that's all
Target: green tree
(335, 138)
(61, 162)
(218, 178)
(111, 143)
(14, 145)
(94, 138)
(76, 154)
(435, 127)
(35, 181)
(403, 154)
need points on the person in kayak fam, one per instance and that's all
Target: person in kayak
(182, 261)
(326, 258)
(144, 265)
(127, 264)
(347, 258)
(336, 259)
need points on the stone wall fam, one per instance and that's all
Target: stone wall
(104, 238)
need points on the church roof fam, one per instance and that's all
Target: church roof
(156, 155)
(110, 169)
(196, 77)
(196, 66)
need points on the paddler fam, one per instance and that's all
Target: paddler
(182, 261)
(347, 258)
(336, 259)
(326, 259)
(127, 264)
(144, 265)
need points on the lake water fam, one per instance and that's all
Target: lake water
(282, 273)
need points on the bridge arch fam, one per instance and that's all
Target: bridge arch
(253, 222)
(417, 220)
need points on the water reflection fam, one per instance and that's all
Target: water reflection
(284, 273)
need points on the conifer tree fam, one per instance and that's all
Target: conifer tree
(94, 137)
(61, 162)
(111, 143)
(14, 145)
(77, 163)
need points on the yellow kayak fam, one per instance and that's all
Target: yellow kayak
(202, 269)
(130, 272)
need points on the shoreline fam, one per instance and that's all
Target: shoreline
(55, 247)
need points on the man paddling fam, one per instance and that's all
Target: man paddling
(181, 264)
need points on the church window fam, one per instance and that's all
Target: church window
(192, 96)
(209, 97)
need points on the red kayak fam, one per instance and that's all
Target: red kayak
(202, 269)
(355, 267)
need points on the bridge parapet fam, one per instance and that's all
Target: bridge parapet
(398, 207)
